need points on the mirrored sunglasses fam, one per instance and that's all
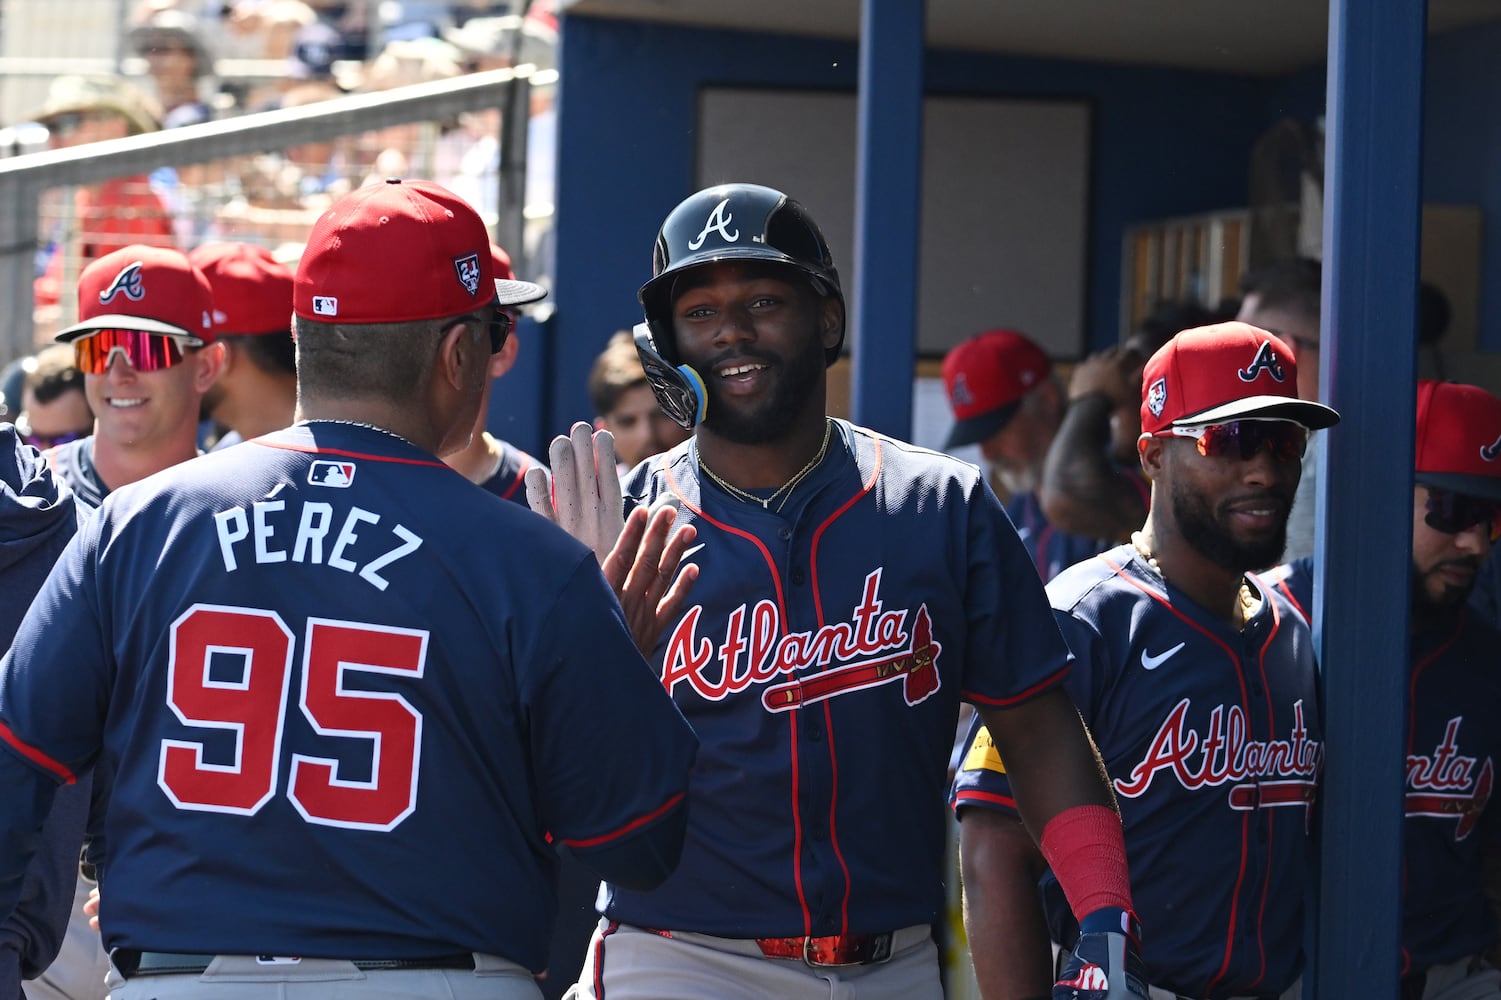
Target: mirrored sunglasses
(1244, 439)
(145, 352)
(1452, 512)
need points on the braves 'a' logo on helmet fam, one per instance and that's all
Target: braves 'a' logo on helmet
(1266, 360)
(128, 282)
(1157, 397)
(1491, 452)
(467, 269)
(718, 222)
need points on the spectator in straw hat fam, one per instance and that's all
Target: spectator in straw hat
(116, 212)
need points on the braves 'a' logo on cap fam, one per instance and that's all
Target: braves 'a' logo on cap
(960, 392)
(336, 474)
(1491, 452)
(1266, 360)
(128, 282)
(467, 268)
(718, 222)
(1157, 397)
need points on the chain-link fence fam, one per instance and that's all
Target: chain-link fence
(263, 178)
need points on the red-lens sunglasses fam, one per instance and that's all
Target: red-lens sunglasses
(1244, 439)
(145, 352)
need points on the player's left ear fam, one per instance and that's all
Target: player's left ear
(1153, 453)
(830, 321)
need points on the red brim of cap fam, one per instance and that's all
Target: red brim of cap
(517, 293)
(120, 321)
(1314, 416)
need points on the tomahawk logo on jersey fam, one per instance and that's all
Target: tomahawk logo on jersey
(860, 658)
(1150, 681)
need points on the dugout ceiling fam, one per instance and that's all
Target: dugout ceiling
(1267, 37)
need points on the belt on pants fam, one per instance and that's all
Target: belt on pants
(833, 950)
(129, 962)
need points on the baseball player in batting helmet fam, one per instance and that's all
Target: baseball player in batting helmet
(1197, 682)
(851, 591)
(1453, 828)
(347, 702)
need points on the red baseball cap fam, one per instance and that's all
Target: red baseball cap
(986, 377)
(399, 251)
(152, 289)
(1459, 439)
(252, 289)
(1228, 371)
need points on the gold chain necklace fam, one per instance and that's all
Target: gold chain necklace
(785, 490)
(1248, 605)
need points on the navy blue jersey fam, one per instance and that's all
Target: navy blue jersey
(509, 479)
(73, 463)
(1052, 551)
(821, 661)
(1212, 741)
(346, 699)
(1453, 745)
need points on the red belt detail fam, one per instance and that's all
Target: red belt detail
(837, 949)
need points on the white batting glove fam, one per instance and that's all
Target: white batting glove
(585, 500)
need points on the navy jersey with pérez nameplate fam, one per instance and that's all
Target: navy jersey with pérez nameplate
(1453, 747)
(821, 660)
(345, 698)
(1212, 742)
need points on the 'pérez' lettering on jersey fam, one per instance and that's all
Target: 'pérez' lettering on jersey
(874, 647)
(265, 529)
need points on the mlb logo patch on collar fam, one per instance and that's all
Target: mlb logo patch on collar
(339, 475)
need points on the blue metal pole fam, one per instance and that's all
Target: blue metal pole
(1364, 555)
(888, 191)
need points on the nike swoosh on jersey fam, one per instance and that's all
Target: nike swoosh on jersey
(689, 552)
(1150, 662)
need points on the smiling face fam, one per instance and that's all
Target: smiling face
(141, 410)
(1233, 511)
(757, 332)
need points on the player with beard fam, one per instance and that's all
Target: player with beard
(851, 591)
(1453, 827)
(1197, 681)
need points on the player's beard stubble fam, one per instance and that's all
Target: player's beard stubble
(772, 418)
(1205, 528)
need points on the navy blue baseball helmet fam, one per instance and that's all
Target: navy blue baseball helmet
(727, 222)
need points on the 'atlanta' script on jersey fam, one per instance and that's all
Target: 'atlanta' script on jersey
(1265, 773)
(874, 647)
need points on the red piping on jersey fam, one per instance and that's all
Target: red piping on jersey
(1035, 689)
(976, 795)
(1412, 725)
(288, 446)
(632, 825)
(844, 906)
(1271, 817)
(828, 715)
(792, 715)
(31, 753)
(520, 475)
(1240, 877)
(599, 959)
(771, 565)
(1282, 586)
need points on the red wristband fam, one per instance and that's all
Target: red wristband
(1087, 852)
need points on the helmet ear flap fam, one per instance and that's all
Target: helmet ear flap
(679, 389)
